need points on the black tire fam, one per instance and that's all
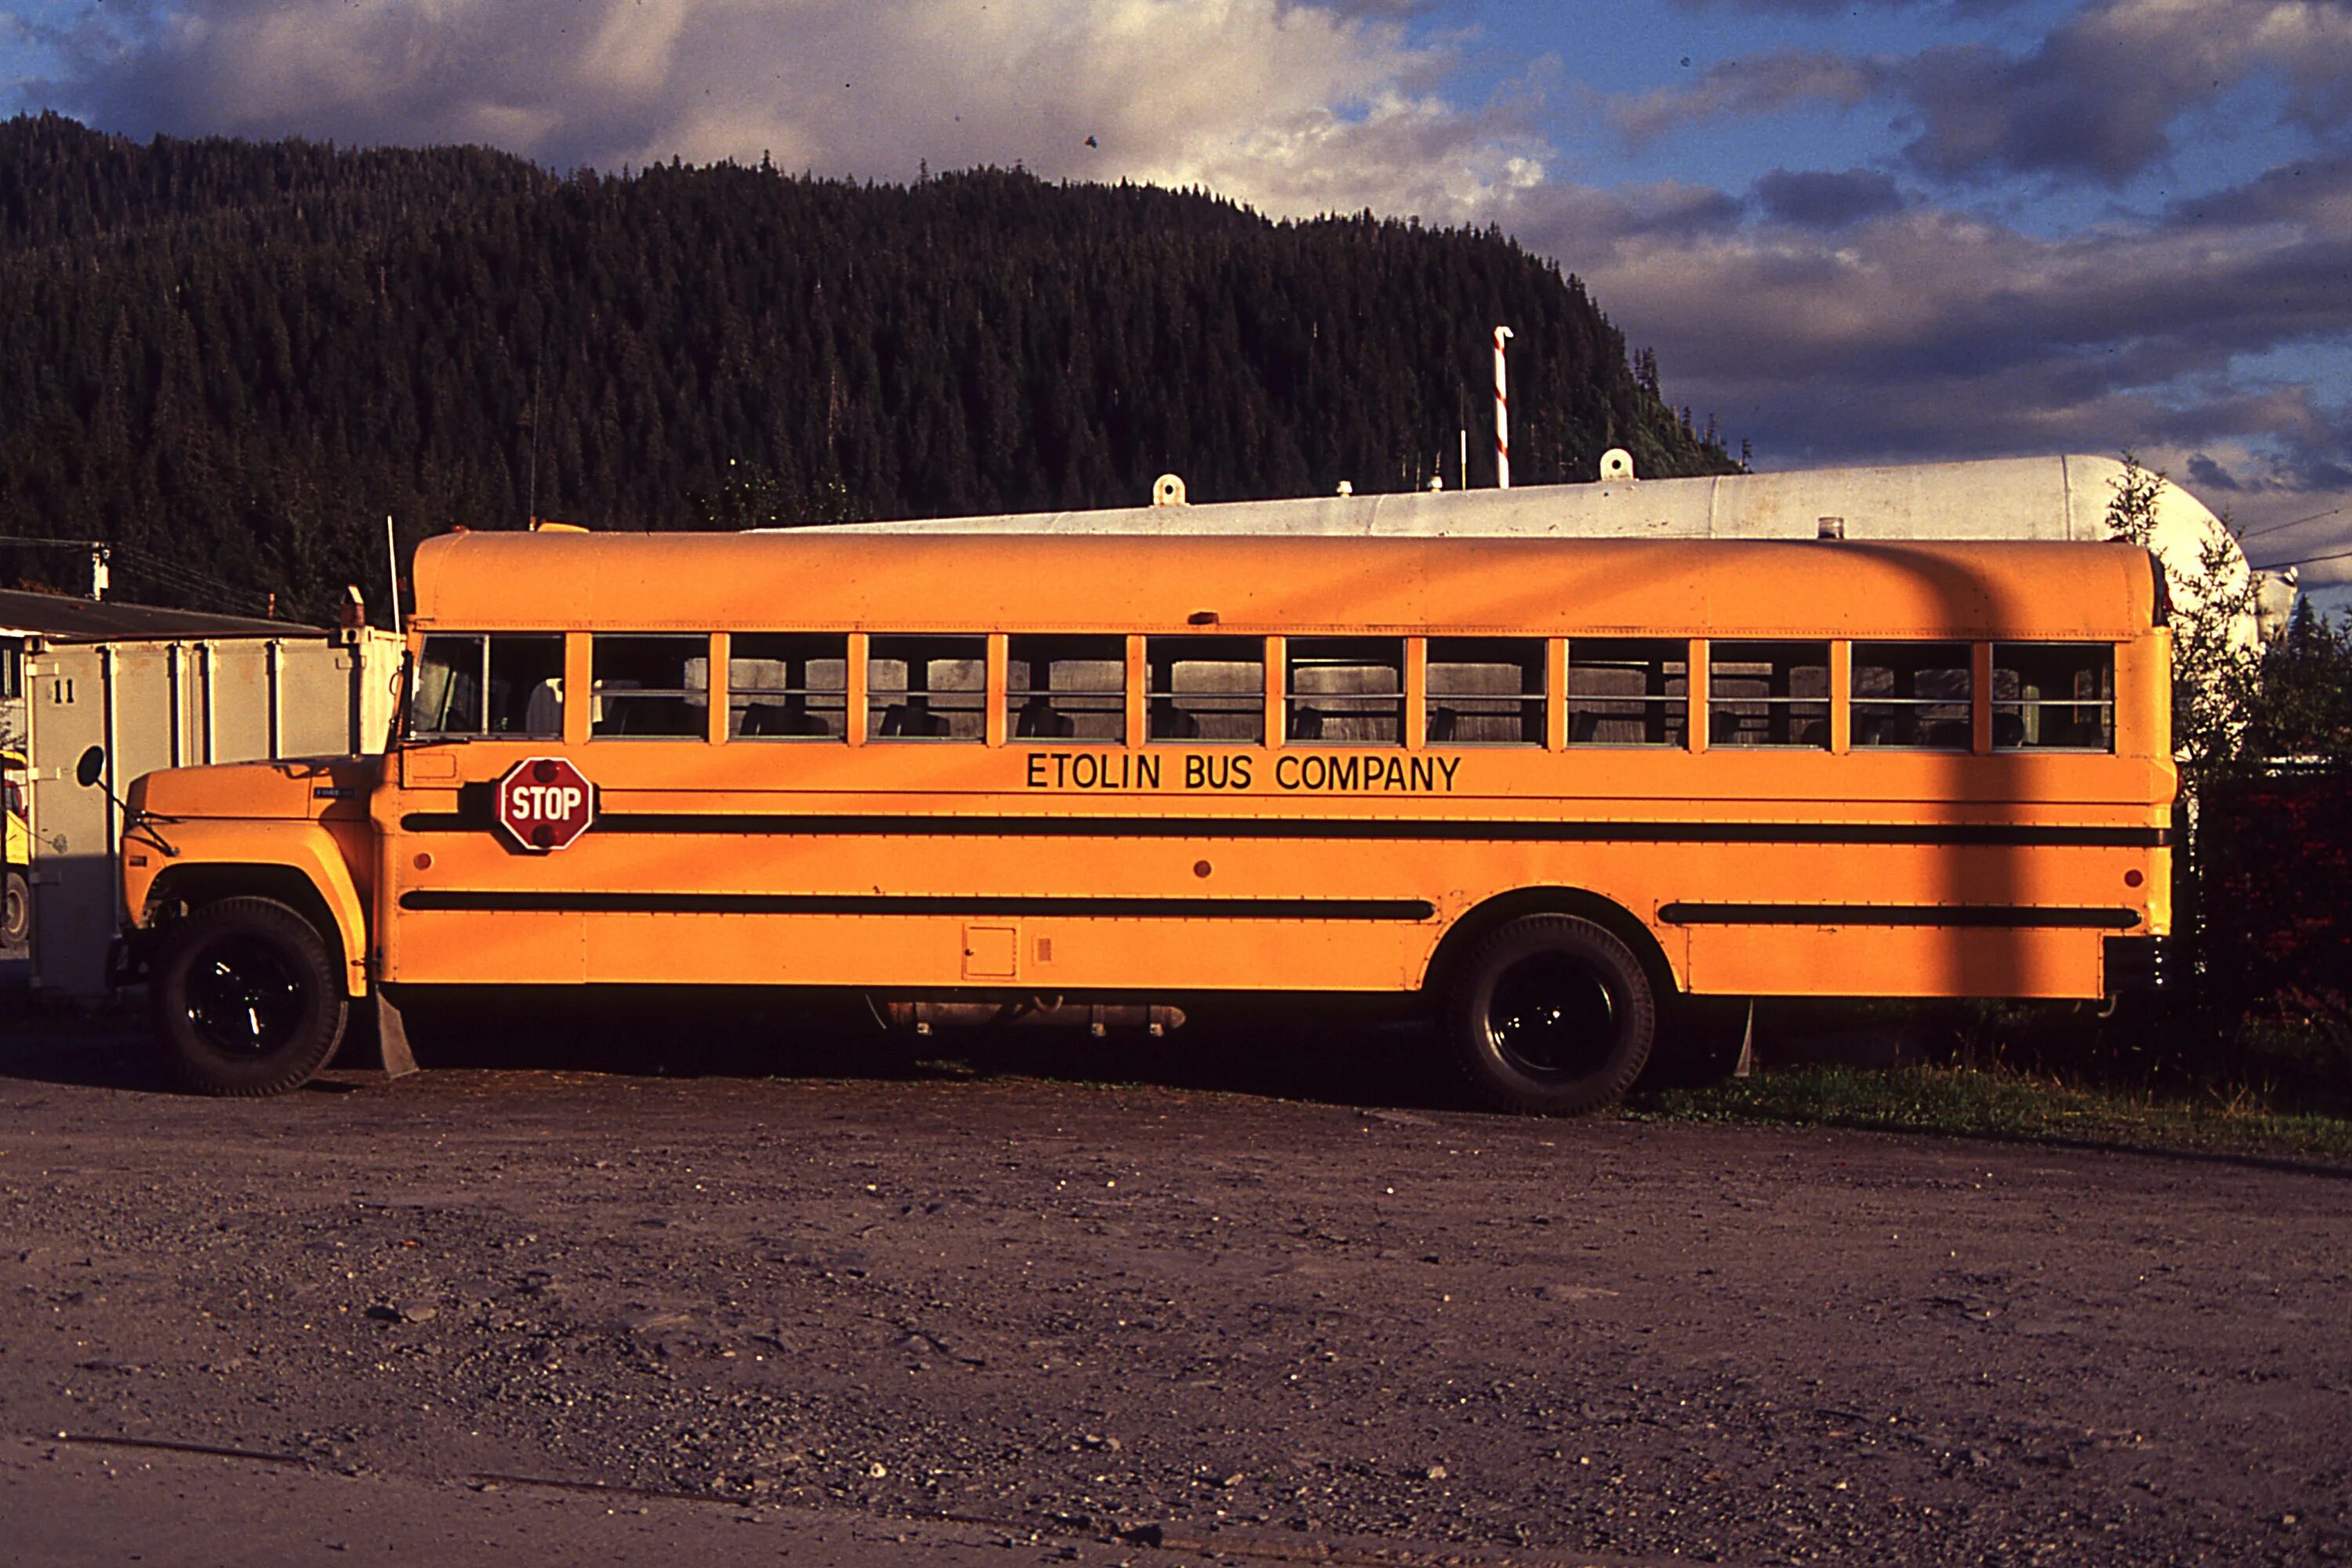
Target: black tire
(248, 999)
(1552, 1015)
(16, 912)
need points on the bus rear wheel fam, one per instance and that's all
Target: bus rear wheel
(17, 913)
(1551, 1015)
(247, 1000)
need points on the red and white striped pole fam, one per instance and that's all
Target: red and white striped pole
(1502, 414)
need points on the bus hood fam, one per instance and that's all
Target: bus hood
(290, 789)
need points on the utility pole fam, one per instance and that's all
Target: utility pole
(1502, 414)
(530, 506)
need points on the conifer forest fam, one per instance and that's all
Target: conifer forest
(231, 359)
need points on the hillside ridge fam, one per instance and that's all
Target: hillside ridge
(232, 359)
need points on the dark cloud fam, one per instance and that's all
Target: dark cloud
(1819, 199)
(1786, 79)
(2062, 109)
(2205, 474)
(2282, 195)
(2101, 96)
(2318, 460)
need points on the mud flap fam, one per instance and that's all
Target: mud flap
(385, 1047)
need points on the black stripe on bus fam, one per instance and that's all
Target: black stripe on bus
(527, 902)
(2000, 916)
(944, 825)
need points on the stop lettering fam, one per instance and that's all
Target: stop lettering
(545, 804)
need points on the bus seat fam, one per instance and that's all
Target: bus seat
(1037, 720)
(1169, 722)
(608, 716)
(542, 713)
(906, 720)
(1948, 734)
(781, 718)
(660, 716)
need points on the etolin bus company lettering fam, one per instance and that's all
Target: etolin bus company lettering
(1351, 773)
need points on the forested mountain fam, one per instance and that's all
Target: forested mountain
(231, 359)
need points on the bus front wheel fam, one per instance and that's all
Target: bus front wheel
(1551, 1015)
(247, 998)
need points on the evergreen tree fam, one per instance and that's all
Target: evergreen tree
(231, 359)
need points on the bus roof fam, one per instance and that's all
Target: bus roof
(950, 583)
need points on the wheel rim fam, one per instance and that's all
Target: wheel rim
(245, 1000)
(1555, 1018)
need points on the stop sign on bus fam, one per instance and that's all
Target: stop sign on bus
(544, 804)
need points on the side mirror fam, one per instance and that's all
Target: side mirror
(87, 774)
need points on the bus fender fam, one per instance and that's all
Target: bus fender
(297, 863)
(1474, 923)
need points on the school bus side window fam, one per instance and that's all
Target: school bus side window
(1912, 694)
(1066, 688)
(650, 686)
(788, 686)
(1485, 691)
(927, 689)
(2053, 697)
(1206, 688)
(502, 684)
(1768, 694)
(1627, 692)
(1345, 691)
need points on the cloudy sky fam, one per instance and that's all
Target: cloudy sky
(1854, 230)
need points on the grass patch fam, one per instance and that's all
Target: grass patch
(2003, 1103)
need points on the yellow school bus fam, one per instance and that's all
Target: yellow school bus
(1544, 788)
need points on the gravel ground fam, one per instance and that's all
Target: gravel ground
(1024, 1317)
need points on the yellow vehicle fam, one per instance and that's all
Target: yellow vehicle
(1541, 788)
(16, 853)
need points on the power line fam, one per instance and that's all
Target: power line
(2296, 522)
(139, 562)
(172, 575)
(2305, 560)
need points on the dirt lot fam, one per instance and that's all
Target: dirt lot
(1009, 1317)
